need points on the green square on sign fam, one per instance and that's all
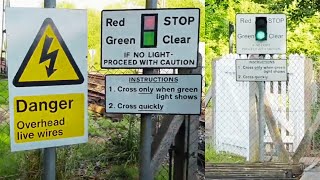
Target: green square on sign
(148, 39)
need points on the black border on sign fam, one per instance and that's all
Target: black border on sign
(235, 27)
(147, 67)
(155, 39)
(260, 80)
(105, 100)
(16, 83)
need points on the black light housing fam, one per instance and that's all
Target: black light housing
(261, 29)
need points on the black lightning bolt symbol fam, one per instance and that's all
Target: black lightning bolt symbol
(48, 56)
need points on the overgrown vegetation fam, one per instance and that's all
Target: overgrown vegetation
(120, 172)
(212, 156)
(4, 92)
(112, 145)
(17, 164)
(7, 161)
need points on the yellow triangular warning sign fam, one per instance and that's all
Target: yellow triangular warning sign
(48, 61)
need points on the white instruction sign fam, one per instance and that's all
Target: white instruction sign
(160, 94)
(261, 70)
(145, 38)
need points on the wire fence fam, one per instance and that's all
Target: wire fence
(112, 151)
(290, 113)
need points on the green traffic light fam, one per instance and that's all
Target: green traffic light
(261, 28)
(260, 35)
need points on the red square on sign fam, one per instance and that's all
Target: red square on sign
(149, 22)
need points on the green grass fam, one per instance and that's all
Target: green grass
(123, 172)
(131, 172)
(212, 156)
(94, 129)
(9, 162)
(112, 145)
(4, 92)
(72, 158)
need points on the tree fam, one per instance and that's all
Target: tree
(66, 5)
(219, 14)
(296, 10)
(191, 4)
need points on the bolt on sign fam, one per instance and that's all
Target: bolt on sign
(47, 74)
(142, 38)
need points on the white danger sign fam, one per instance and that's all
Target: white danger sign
(261, 70)
(160, 94)
(274, 41)
(162, 38)
(47, 77)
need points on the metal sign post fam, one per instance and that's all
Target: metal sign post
(49, 159)
(145, 172)
(150, 39)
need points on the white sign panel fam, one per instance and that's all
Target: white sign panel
(162, 38)
(47, 77)
(261, 70)
(246, 42)
(160, 94)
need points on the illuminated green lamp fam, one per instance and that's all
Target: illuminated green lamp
(261, 28)
(260, 36)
